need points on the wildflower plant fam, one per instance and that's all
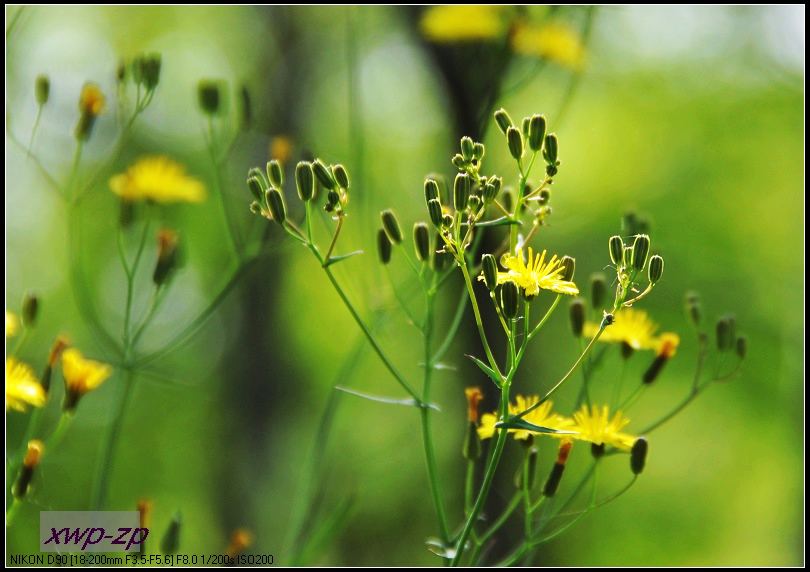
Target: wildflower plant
(524, 285)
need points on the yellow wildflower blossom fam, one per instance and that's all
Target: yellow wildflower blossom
(636, 329)
(157, 179)
(541, 416)
(22, 386)
(81, 375)
(12, 324)
(535, 274)
(91, 100)
(555, 41)
(594, 424)
(463, 23)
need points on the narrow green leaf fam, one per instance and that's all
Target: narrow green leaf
(340, 257)
(408, 401)
(501, 221)
(492, 374)
(520, 423)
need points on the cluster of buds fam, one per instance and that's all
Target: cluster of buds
(335, 179)
(630, 262)
(532, 134)
(726, 336)
(144, 71)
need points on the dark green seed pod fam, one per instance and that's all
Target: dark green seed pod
(209, 97)
(616, 246)
(305, 180)
(524, 126)
(598, 289)
(537, 132)
(576, 315)
(638, 455)
(391, 226)
(260, 175)
(515, 141)
(431, 190)
(509, 300)
(30, 310)
(656, 268)
(461, 191)
(324, 174)
(435, 212)
(341, 176)
(550, 149)
(492, 188)
(479, 151)
(641, 247)
(569, 266)
(42, 89)
(741, 347)
(467, 148)
(275, 202)
(725, 336)
(474, 203)
(490, 269)
(383, 246)
(503, 120)
(421, 241)
(170, 543)
(275, 174)
(332, 200)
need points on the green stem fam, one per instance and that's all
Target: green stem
(58, 434)
(232, 239)
(131, 272)
(478, 322)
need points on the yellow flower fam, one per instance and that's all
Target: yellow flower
(91, 100)
(22, 386)
(281, 148)
(535, 274)
(12, 324)
(81, 374)
(542, 416)
(595, 425)
(462, 23)
(556, 41)
(636, 329)
(157, 179)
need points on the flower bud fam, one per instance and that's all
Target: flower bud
(208, 96)
(741, 347)
(525, 126)
(597, 450)
(479, 151)
(474, 203)
(537, 132)
(324, 174)
(42, 89)
(30, 310)
(725, 333)
(515, 141)
(241, 539)
(641, 247)
(435, 212)
(489, 268)
(275, 174)
(492, 188)
(656, 367)
(391, 226)
(170, 542)
(421, 241)
(543, 197)
(692, 306)
(503, 120)
(275, 203)
(341, 176)
(91, 105)
(638, 455)
(553, 481)
(304, 180)
(59, 345)
(550, 149)
(656, 268)
(256, 188)
(509, 300)
(577, 316)
(569, 266)
(598, 289)
(458, 162)
(383, 246)
(167, 256)
(630, 223)
(616, 246)
(33, 456)
(431, 190)
(508, 199)
(467, 148)
(461, 191)
(447, 221)
(150, 70)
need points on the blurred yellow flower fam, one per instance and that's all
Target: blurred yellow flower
(81, 374)
(281, 148)
(91, 100)
(22, 386)
(12, 324)
(535, 274)
(594, 424)
(636, 329)
(542, 416)
(555, 41)
(462, 23)
(157, 179)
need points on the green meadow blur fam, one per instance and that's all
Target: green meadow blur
(691, 116)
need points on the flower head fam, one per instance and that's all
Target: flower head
(555, 41)
(462, 23)
(594, 424)
(81, 375)
(91, 100)
(157, 179)
(12, 324)
(22, 386)
(637, 330)
(541, 416)
(535, 274)
(474, 397)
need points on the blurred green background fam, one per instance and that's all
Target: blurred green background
(693, 116)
